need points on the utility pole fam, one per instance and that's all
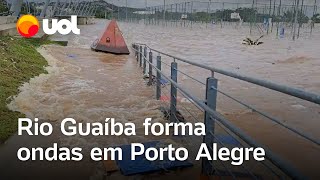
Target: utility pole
(145, 12)
(209, 11)
(251, 19)
(314, 12)
(126, 10)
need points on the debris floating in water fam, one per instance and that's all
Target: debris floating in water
(248, 41)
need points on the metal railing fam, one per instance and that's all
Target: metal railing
(144, 55)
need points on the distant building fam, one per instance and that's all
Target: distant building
(144, 12)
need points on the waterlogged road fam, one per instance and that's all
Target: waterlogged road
(90, 86)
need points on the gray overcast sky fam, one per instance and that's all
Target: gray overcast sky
(142, 3)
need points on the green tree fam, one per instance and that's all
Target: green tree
(316, 18)
(248, 14)
(3, 7)
(289, 16)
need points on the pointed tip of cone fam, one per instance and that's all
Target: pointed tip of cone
(111, 41)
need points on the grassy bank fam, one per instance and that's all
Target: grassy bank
(19, 61)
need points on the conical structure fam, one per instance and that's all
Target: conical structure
(111, 41)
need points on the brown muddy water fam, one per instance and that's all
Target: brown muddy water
(90, 86)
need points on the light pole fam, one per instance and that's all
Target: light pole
(112, 9)
(145, 11)
(164, 11)
(126, 10)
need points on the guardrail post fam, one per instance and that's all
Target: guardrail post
(150, 69)
(140, 55)
(158, 93)
(145, 60)
(173, 98)
(135, 51)
(211, 101)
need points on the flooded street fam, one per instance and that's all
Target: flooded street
(91, 86)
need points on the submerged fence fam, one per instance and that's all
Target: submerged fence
(274, 17)
(154, 68)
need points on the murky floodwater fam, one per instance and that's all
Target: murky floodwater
(90, 86)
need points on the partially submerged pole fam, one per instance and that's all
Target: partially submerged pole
(295, 20)
(126, 10)
(164, 11)
(314, 12)
(300, 19)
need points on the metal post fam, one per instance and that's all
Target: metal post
(144, 60)
(158, 93)
(251, 19)
(150, 69)
(295, 20)
(173, 98)
(301, 22)
(118, 13)
(140, 53)
(314, 12)
(164, 12)
(211, 101)
(136, 51)
(191, 13)
(126, 10)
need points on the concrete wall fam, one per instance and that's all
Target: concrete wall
(8, 26)
(8, 19)
(8, 32)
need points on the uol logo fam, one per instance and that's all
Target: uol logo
(28, 26)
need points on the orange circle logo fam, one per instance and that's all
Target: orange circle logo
(28, 26)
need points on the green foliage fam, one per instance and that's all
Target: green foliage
(201, 16)
(223, 15)
(247, 15)
(250, 15)
(289, 16)
(19, 62)
(316, 18)
(3, 7)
